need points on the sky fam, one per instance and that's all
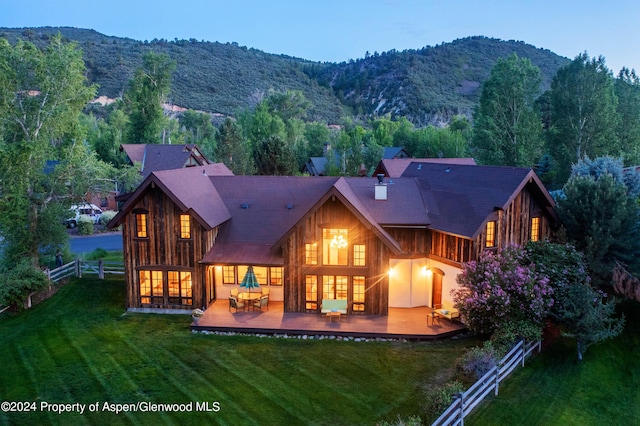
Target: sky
(340, 30)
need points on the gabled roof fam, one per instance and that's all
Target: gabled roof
(190, 189)
(395, 167)
(460, 198)
(156, 157)
(256, 214)
(395, 152)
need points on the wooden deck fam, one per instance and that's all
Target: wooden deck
(401, 323)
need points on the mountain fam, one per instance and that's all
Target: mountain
(427, 86)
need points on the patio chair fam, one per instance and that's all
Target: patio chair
(263, 301)
(234, 292)
(265, 291)
(234, 303)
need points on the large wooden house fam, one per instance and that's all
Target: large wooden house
(189, 237)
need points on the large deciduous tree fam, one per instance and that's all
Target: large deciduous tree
(43, 162)
(583, 115)
(507, 129)
(627, 87)
(148, 90)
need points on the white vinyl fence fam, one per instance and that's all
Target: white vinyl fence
(466, 401)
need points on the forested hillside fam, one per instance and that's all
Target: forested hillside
(427, 85)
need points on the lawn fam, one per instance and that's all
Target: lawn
(556, 389)
(82, 347)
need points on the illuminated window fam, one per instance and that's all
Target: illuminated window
(185, 226)
(141, 225)
(180, 291)
(228, 275)
(311, 254)
(358, 294)
(359, 253)
(335, 246)
(311, 292)
(491, 234)
(275, 275)
(535, 228)
(151, 287)
(334, 287)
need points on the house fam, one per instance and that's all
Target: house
(317, 166)
(190, 236)
(155, 157)
(395, 167)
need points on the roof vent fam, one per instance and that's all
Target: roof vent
(419, 166)
(244, 205)
(289, 206)
(380, 177)
(447, 170)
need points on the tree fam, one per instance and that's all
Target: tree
(500, 295)
(43, 163)
(583, 113)
(507, 129)
(232, 150)
(273, 157)
(627, 88)
(199, 130)
(602, 220)
(148, 90)
(577, 308)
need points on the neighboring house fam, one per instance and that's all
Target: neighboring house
(395, 167)
(155, 157)
(189, 237)
(317, 166)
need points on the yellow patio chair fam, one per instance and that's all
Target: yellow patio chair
(263, 301)
(234, 303)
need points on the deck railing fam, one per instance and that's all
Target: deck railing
(465, 402)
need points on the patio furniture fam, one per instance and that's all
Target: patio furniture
(234, 303)
(441, 311)
(234, 292)
(334, 308)
(263, 301)
(265, 291)
(248, 297)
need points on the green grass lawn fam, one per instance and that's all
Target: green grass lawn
(82, 347)
(556, 389)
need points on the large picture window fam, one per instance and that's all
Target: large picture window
(335, 246)
(276, 275)
(180, 292)
(151, 287)
(228, 274)
(334, 287)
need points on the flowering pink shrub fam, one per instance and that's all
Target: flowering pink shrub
(497, 291)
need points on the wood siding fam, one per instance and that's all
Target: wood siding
(333, 214)
(164, 250)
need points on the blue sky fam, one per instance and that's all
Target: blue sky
(339, 30)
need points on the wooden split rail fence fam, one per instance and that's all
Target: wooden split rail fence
(465, 402)
(88, 267)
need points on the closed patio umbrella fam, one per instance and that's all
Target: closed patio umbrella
(250, 281)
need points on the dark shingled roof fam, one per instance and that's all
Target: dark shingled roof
(460, 198)
(257, 213)
(395, 167)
